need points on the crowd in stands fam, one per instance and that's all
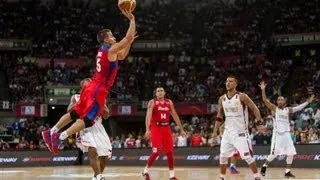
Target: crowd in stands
(195, 72)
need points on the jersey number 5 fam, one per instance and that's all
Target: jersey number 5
(98, 68)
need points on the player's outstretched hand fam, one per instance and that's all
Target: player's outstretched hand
(147, 135)
(128, 14)
(311, 99)
(262, 85)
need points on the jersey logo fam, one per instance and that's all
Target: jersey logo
(157, 102)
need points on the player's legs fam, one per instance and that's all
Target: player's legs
(233, 162)
(226, 151)
(156, 141)
(94, 161)
(168, 149)
(103, 162)
(290, 151)
(272, 155)
(243, 145)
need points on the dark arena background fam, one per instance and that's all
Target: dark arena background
(189, 47)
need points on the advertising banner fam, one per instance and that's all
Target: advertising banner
(37, 158)
(123, 110)
(184, 109)
(308, 156)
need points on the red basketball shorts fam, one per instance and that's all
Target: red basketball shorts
(161, 138)
(92, 101)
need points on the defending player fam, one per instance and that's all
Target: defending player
(281, 143)
(234, 105)
(158, 127)
(94, 94)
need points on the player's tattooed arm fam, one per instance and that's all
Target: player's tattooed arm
(247, 101)
(176, 118)
(303, 105)
(266, 101)
(148, 118)
(219, 118)
(72, 103)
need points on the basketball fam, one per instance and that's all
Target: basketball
(128, 5)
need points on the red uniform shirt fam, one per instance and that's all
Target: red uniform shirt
(106, 71)
(161, 111)
(196, 141)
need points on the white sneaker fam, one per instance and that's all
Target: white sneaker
(94, 178)
(100, 177)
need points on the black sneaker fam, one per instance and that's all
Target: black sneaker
(173, 178)
(257, 178)
(263, 171)
(146, 176)
(289, 175)
(221, 178)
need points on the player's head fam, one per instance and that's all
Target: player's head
(160, 92)
(281, 102)
(83, 82)
(105, 36)
(231, 83)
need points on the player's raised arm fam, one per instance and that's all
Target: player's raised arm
(127, 40)
(266, 101)
(125, 51)
(247, 101)
(176, 118)
(72, 103)
(302, 106)
(219, 118)
(148, 118)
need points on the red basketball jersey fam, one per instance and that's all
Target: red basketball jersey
(161, 111)
(106, 71)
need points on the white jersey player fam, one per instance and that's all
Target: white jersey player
(94, 141)
(281, 143)
(234, 105)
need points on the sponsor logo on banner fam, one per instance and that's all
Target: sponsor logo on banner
(198, 157)
(143, 158)
(37, 159)
(64, 159)
(303, 157)
(317, 157)
(8, 160)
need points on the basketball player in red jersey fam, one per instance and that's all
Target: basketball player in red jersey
(93, 95)
(158, 127)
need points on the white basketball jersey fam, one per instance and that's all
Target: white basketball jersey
(282, 122)
(236, 114)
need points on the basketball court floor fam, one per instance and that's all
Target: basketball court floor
(132, 173)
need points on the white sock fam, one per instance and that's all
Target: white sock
(64, 135)
(171, 173)
(231, 165)
(256, 175)
(94, 178)
(287, 170)
(146, 170)
(222, 175)
(264, 165)
(99, 177)
(54, 130)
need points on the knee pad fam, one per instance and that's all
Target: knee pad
(289, 159)
(248, 159)
(223, 160)
(88, 122)
(74, 116)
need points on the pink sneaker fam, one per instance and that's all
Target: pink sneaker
(47, 139)
(56, 143)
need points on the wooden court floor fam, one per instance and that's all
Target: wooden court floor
(132, 173)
